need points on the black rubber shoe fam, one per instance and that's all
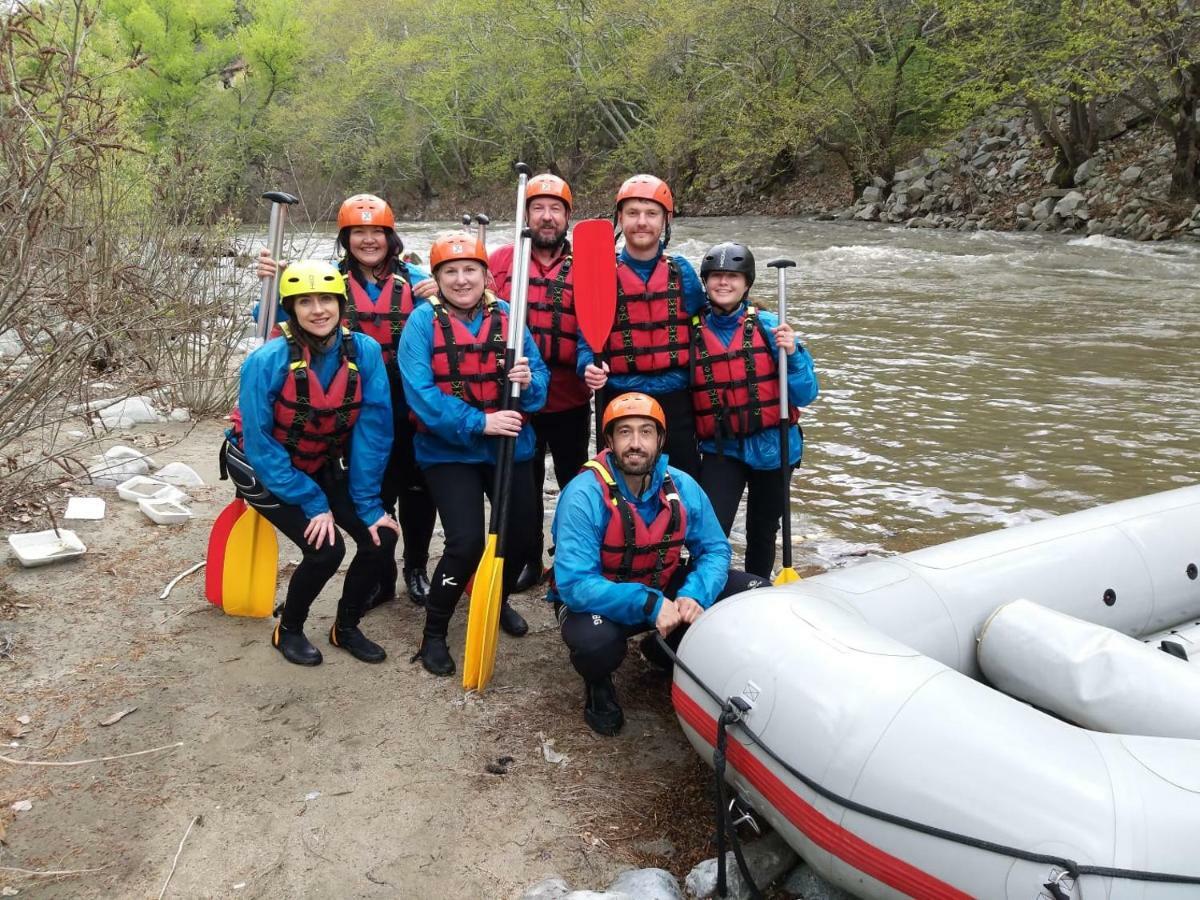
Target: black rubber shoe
(435, 656)
(416, 582)
(512, 621)
(381, 595)
(295, 647)
(602, 712)
(357, 644)
(531, 576)
(653, 653)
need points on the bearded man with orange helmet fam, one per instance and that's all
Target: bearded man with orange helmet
(383, 290)
(657, 294)
(563, 425)
(620, 529)
(453, 358)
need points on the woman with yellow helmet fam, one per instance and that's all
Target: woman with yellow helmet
(305, 402)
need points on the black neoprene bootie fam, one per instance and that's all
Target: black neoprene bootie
(435, 655)
(512, 621)
(531, 576)
(294, 646)
(416, 582)
(602, 712)
(357, 644)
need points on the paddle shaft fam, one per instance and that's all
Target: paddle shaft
(522, 246)
(781, 266)
(270, 286)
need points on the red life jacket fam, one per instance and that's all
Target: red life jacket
(313, 423)
(465, 366)
(735, 389)
(551, 316)
(632, 550)
(650, 334)
(383, 318)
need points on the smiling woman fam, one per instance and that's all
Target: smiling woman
(304, 401)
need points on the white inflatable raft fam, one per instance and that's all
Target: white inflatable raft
(866, 682)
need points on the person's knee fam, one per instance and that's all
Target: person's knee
(329, 556)
(737, 581)
(597, 646)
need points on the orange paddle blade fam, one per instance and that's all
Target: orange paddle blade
(594, 279)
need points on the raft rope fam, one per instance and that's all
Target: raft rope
(732, 713)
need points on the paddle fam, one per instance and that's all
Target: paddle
(251, 565)
(787, 574)
(483, 222)
(487, 588)
(214, 560)
(270, 286)
(594, 285)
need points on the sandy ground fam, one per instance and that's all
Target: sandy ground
(346, 780)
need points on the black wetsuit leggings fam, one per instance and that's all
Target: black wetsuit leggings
(724, 479)
(404, 487)
(458, 490)
(318, 566)
(598, 644)
(565, 434)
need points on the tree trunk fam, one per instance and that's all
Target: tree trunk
(1184, 181)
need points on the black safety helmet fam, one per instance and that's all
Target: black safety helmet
(729, 257)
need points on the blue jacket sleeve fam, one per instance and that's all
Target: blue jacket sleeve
(584, 356)
(261, 380)
(579, 525)
(694, 298)
(802, 377)
(706, 543)
(449, 418)
(371, 440)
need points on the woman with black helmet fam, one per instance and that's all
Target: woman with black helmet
(383, 290)
(452, 356)
(305, 400)
(735, 399)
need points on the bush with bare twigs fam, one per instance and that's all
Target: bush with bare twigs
(101, 273)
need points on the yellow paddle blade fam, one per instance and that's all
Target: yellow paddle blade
(491, 629)
(786, 576)
(251, 567)
(484, 584)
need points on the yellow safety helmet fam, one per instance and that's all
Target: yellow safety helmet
(311, 276)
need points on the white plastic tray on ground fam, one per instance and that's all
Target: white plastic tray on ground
(37, 548)
(84, 508)
(142, 487)
(164, 511)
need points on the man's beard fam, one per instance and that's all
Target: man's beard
(549, 243)
(642, 466)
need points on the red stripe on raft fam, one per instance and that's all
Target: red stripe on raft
(818, 828)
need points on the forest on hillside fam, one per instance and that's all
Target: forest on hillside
(206, 102)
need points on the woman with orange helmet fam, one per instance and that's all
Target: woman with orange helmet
(657, 294)
(453, 358)
(620, 530)
(383, 291)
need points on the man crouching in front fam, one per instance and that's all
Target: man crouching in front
(620, 530)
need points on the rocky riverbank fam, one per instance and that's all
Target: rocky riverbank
(999, 176)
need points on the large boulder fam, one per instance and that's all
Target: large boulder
(872, 194)
(1073, 204)
(1131, 175)
(647, 884)
(1086, 170)
(768, 859)
(1044, 209)
(868, 213)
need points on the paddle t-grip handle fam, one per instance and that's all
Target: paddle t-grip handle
(483, 222)
(280, 201)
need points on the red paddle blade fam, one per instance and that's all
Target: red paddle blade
(594, 279)
(217, 539)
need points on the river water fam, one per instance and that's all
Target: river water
(969, 381)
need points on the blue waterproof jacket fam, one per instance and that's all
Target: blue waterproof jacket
(761, 450)
(578, 530)
(262, 378)
(660, 382)
(455, 427)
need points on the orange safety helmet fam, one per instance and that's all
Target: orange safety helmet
(647, 187)
(365, 209)
(633, 404)
(457, 245)
(547, 185)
